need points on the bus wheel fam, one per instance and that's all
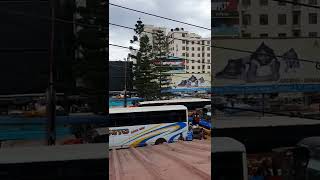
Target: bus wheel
(160, 141)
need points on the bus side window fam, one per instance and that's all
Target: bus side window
(138, 118)
(122, 120)
(111, 120)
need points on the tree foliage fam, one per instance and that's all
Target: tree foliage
(91, 64)
(145, 72)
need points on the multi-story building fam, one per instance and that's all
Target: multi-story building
(191, 47)
(151, 31)
(268, 18)
(265, 18)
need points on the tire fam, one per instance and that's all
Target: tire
(160, 141)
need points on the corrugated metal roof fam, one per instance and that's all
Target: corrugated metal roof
(53, 153)
(187, 160)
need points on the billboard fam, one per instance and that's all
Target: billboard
(266, 65)
(225, 18)
(173, 64)
(190, 82)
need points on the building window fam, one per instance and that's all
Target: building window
(192, 61)
(246, 2)
(192, 42)
(192, 67)
(282, 19)
(183, 41)
(202, 54)
(208, 72)
(183, 48)
(198, 48)
(208, 54)
(192, 48)
(208, 67)
(187, 61)
(263, 2)
(313, 2)
(187, 42)
(202, 48)
(313, 18)
(183, 34)
(198, 61)
(208, 42)
(187, 55)
(246, 19)
(313, 34)
(202, 41)
(263, 19)
(203, 66)
(246, 35)
(296, 33)
(183, 54)
(208, 48)
(199, 67)
(281, 3)
(264, 35)
(198, 54)
(208, 61)
(202, 60)
(187, 67)
(192, 55)
(203, 72)
(296, 17)
(187, 48)
(282, 35)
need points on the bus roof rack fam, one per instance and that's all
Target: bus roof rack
(146, 109)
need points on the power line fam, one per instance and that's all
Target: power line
(170, 19)
(124, 47)
(20, 13)
(298, 3)
(227, 48)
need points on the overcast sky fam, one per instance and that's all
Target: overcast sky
(196, 12)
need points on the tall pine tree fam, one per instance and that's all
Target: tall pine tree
(161, 53)
(145, 73)
(91, 63)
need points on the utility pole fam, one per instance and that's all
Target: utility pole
(125, 81)
(51, 106)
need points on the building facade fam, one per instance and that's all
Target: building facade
(193, 48)
(267, 18)
(264, 19)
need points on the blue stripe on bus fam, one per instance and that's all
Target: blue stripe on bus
(181, 126)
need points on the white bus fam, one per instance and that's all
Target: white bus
(139, 126)
(190, 103)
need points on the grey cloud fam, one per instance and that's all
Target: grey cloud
(191, 11)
